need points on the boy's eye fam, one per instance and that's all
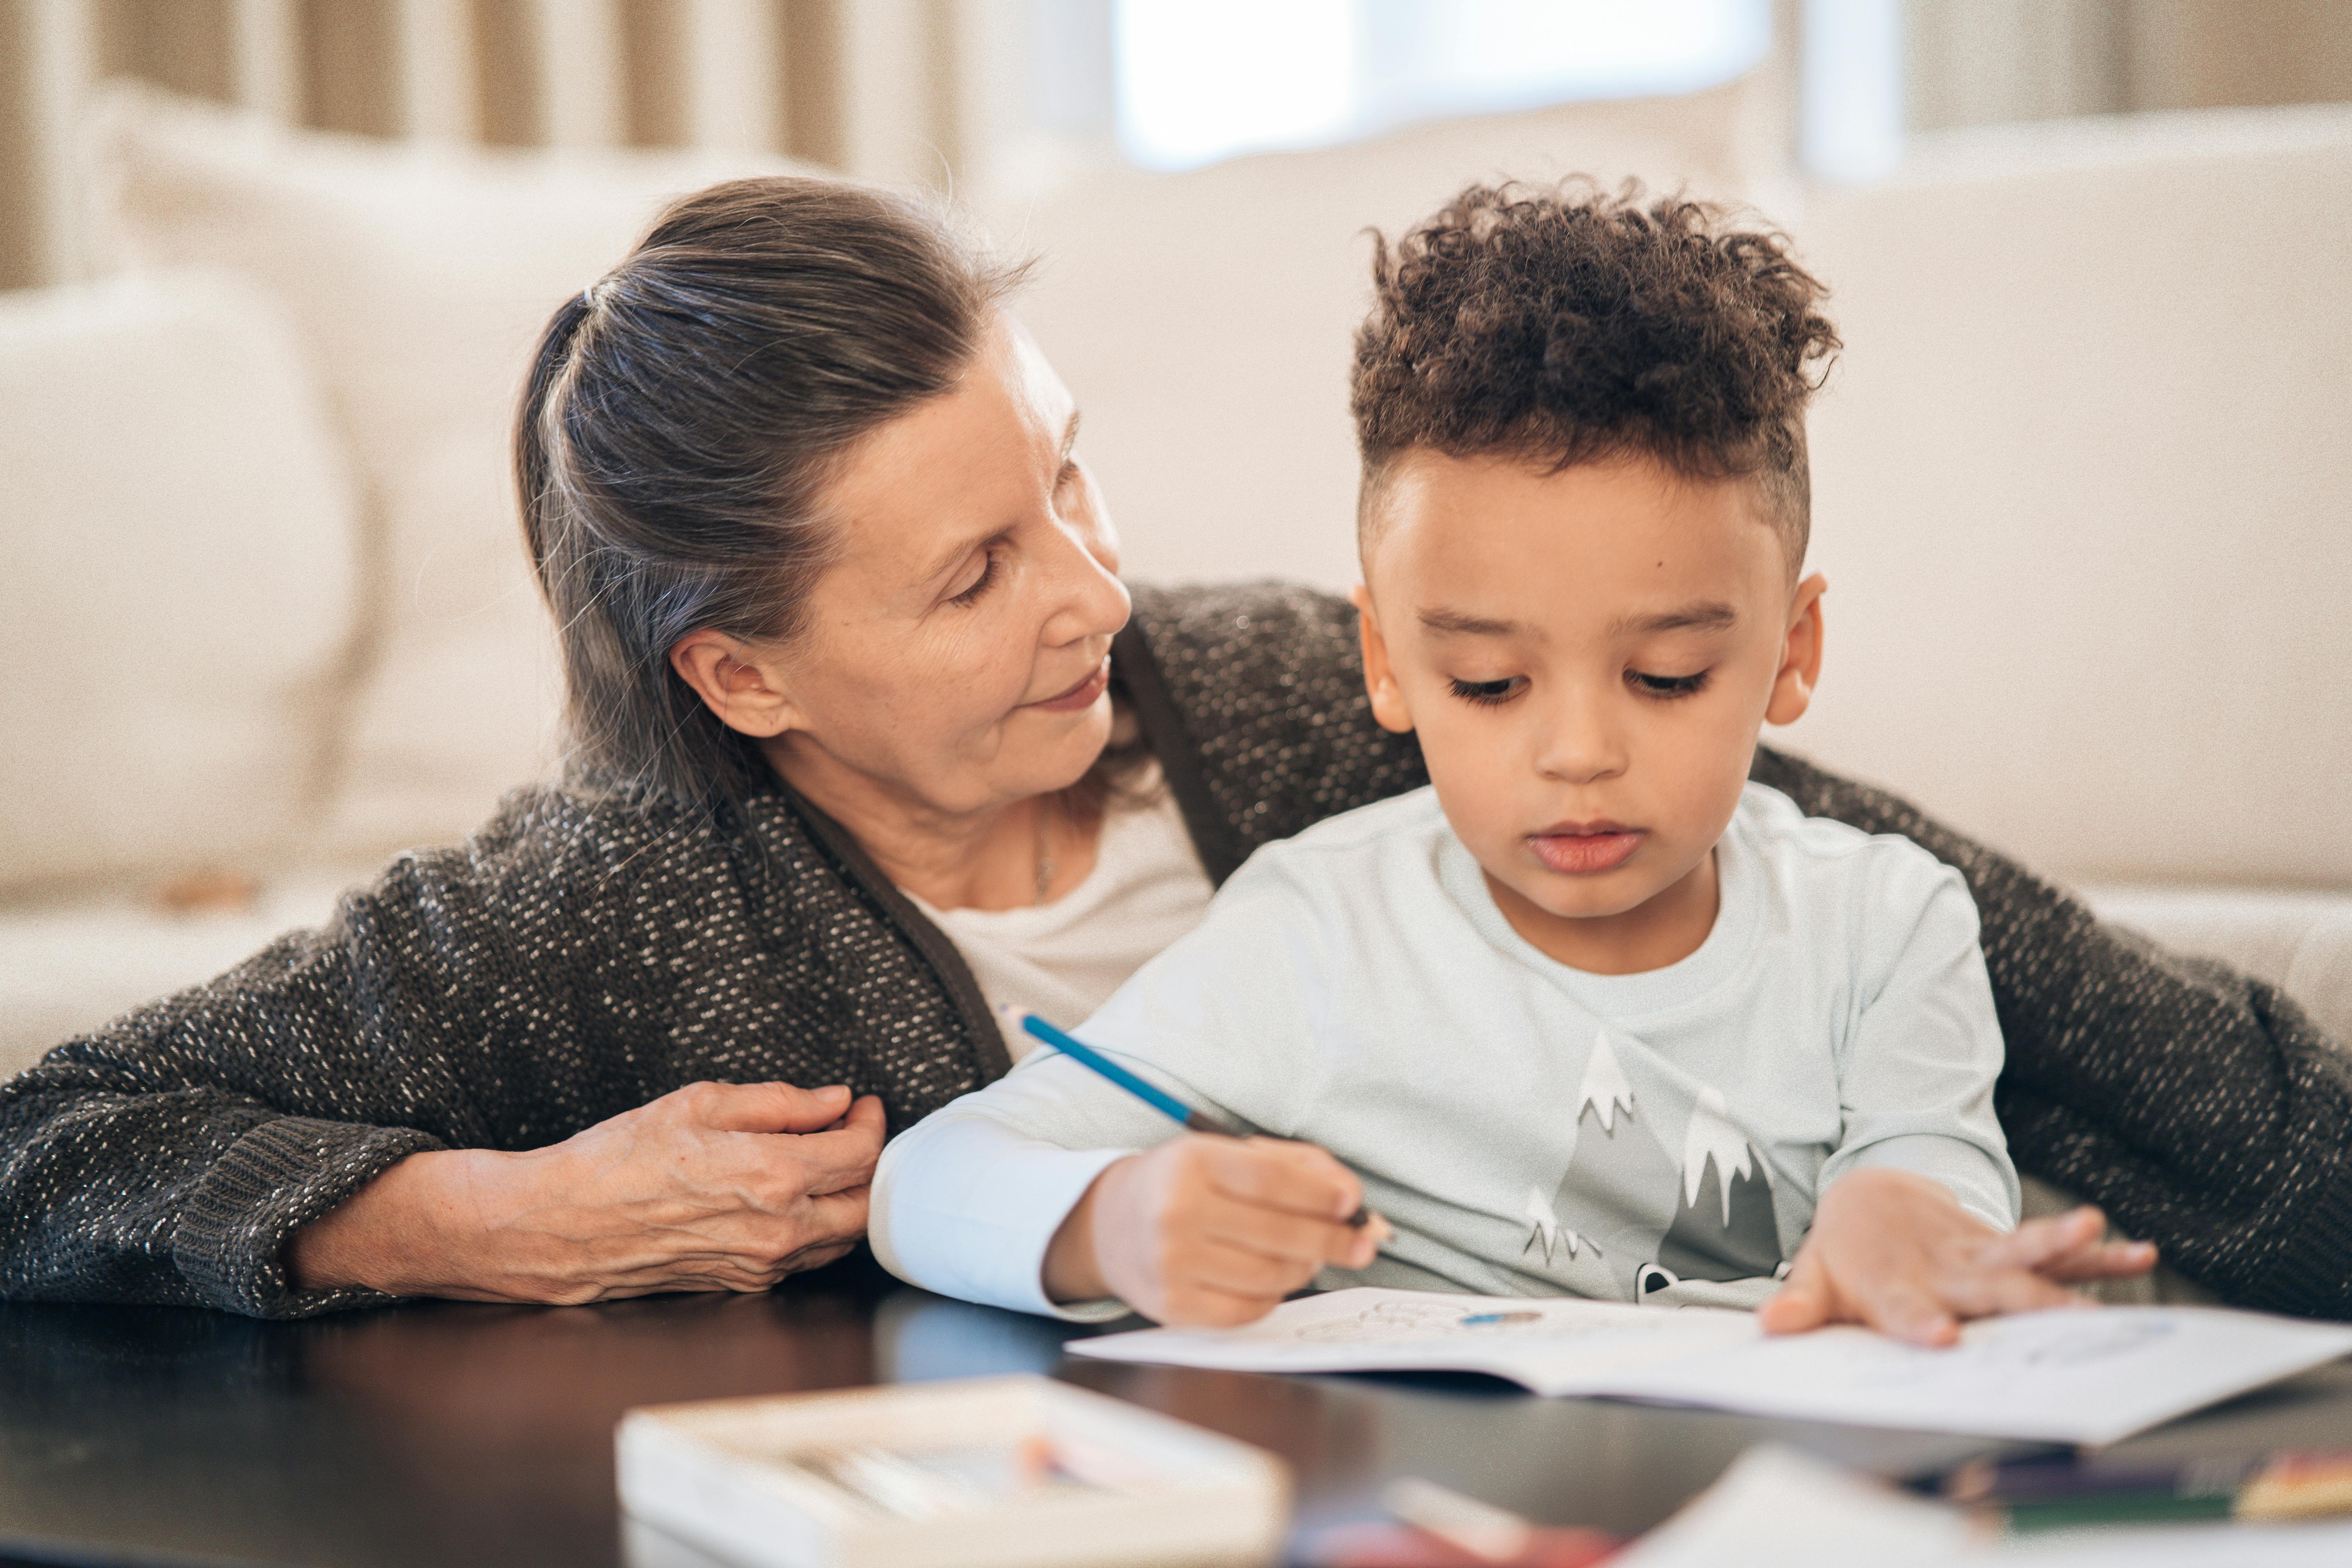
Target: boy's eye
(1665, 685)
(1489, 693)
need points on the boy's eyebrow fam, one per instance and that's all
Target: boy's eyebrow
(1459, 623)
(1712, 616)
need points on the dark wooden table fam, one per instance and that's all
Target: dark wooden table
(449, 1435)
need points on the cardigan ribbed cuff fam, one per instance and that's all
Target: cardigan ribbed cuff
(230, 1241)
(2309, 1273)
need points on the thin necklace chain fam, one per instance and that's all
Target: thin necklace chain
(1045, 845)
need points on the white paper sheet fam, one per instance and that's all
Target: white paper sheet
(2079, 1376)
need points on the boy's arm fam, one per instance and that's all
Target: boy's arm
(1916, 1075)
(2202, 1109)
(970, 1201)
(1913, 1231)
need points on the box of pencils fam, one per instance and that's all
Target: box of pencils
(1001, 1470)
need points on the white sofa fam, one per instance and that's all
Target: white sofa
(2082, 477)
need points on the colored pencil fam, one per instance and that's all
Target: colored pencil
(1151, 1094)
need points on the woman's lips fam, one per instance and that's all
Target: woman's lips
(1079, 697)
(1583, 849)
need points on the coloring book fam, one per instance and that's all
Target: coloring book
(2078, 1375)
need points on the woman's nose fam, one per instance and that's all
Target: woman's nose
(1088, 600)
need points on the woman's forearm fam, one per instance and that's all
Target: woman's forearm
(711, 1187)
(410, 1232)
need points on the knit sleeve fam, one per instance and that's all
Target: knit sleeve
(168, 1157)
(2202, 1109)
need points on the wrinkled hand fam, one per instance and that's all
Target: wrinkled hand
(1211, 1232)
(1897, 1253)
(714, 1187)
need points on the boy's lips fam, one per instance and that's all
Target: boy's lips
(1080, 696)
(1584, 848)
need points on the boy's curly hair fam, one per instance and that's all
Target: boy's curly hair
(1569, 324)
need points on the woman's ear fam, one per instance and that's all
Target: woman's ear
(733, 681)
(1801, 655)
(1380, 675)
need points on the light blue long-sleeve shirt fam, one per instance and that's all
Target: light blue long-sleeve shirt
(1526, 1128)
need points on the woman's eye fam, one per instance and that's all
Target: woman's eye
(1489, 693)
(1665, 685)
(980, 585)
(1068, 476)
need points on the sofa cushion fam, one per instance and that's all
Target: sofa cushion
(179, 527)
(2081, 481)
(419, 278)
(2299, 942)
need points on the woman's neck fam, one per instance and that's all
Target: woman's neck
(1002, 857)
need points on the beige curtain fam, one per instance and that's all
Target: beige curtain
(894, 90)
(1974, 62)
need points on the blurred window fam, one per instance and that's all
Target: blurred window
(1198, 80)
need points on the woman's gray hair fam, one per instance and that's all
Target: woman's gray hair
(683, 418)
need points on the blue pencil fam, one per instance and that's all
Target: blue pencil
(1151, 1094)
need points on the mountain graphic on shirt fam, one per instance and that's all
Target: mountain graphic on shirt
(1617, 1195)
(1724, 1227)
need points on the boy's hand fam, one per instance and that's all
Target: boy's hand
(1204, 1232)
(1897, 1253)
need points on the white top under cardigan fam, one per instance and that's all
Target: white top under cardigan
(1064, 958)
(1528, 1127)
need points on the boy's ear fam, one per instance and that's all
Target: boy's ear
(1380, 675)
(1801, 655)
(733, 682)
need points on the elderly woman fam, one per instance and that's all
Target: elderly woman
(866, 733)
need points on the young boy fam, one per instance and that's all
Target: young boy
(1590, 1015)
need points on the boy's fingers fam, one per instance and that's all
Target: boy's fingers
(2038, 1241)
(2110, 1260)
(1908, 1312)
(1980, 1293)
(1241, 1272)
(1276, 1174)
(1278, 1233)
(1801, 1305)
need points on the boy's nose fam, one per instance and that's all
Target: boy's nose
(1580, 745)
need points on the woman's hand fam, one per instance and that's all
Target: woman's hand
(1897, 1253)
(714, 1187)
(1205, 1232)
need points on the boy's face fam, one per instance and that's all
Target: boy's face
(1588, 657)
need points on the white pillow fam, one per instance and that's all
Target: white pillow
(180, 528)
(420, 278)
(2081, 481)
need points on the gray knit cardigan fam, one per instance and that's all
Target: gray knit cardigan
(584, 954)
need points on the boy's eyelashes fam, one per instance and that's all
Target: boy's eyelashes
(1489, 693)
(1494, 693)
(1666, 685)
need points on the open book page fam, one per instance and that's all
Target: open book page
(2091, 1375)
(1551, 1345)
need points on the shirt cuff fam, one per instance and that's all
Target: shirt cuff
(1986, 1190)
(987, 1243)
